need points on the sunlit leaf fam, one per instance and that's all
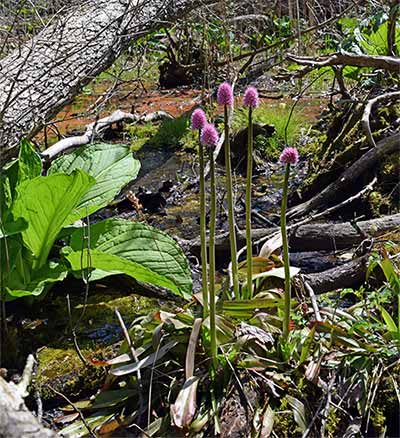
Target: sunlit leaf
(305, 349)
(79, 429)
(46, 204)
(107, 262)
(29, 162)
(114, 397)
(267, 422)
(112, 166)
(144, 363)
(299, 412)
(141, 244)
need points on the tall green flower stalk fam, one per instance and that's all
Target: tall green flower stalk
(251, 101)
(289, 156)
(199, 120)
(209, 137)
(225, 98)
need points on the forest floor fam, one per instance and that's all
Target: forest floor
(175, 210)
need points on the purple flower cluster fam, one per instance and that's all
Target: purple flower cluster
(209, 135)
(251, 99)
(225, 94)
(289, 156)
(199, 119)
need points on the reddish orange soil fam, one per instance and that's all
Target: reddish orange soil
(74, 118)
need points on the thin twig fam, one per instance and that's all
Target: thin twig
(90, 430)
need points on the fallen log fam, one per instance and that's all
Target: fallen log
(388, 63)
(95, 129)
(351, 274)
(335, 190)
(331, 236)
(40, 78)
(309, 237)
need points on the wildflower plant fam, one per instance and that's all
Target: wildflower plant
(289, 157)
(209, 138)
(251, 101)
(225, 98)
(199, 121)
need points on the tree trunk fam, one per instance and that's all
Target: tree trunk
(40, 78)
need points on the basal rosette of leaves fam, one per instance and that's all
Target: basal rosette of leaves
(355, 347)
(36, 209)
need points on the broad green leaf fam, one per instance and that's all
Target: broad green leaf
(49, 273)
(10, 249)
(80, 260)
(376, 42)
(112, 165)
(46, 204)
(29, 162)
(142, 244)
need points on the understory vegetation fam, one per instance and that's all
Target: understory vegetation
(206, 241)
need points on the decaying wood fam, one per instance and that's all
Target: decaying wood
(15, 418)
(331, 236)
(39, 79)
(93, 130)
(335, 190)
(310, 237)
(388, 63)
(351, 274)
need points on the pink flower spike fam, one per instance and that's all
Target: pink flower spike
(289, 156)
(199, 119)
(251, 98)
(209, 135)
(225, 94)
